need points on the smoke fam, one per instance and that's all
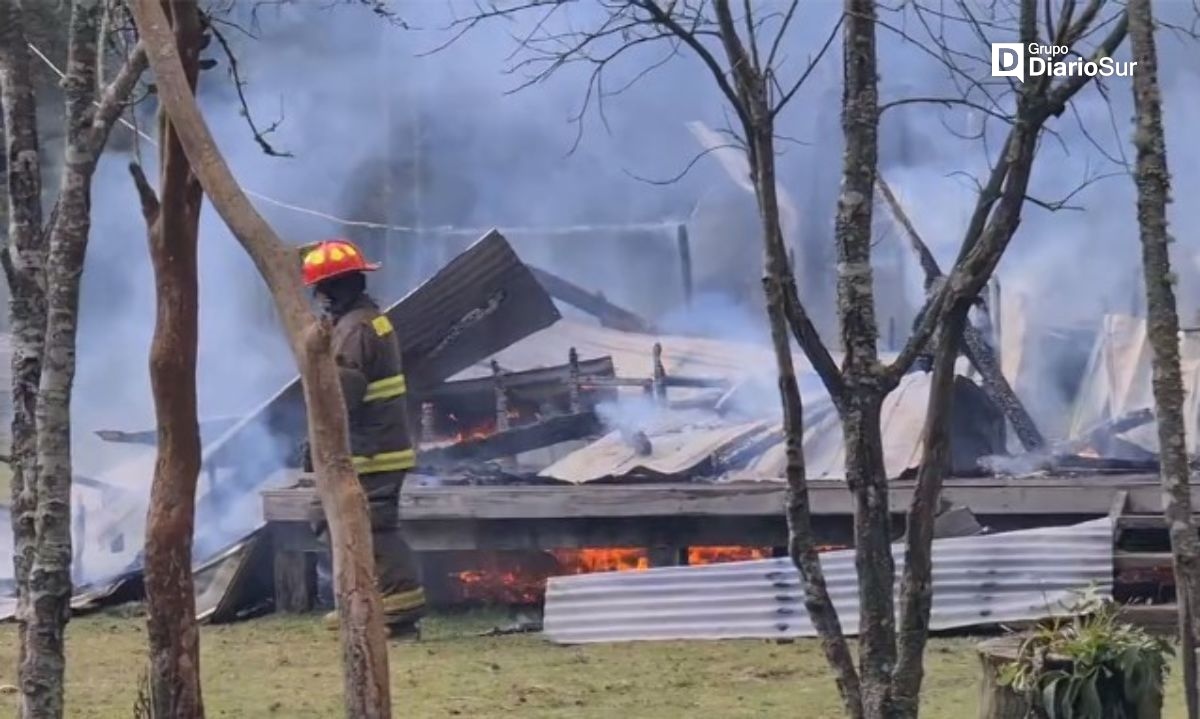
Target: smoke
(381, 132)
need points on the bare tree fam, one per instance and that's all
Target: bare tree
(1153, 192)
(364, 645)
(51, 258)
(741, 50)
(173, 219)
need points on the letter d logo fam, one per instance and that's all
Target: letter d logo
(1008, 60)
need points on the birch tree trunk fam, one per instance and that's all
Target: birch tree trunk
(24, 262)
(49, 583)
(364, 645)
(49, 576)
(1153, 193)
(173, 224)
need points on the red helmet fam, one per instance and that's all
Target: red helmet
(331, 258)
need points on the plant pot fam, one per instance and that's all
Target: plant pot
(997, 701)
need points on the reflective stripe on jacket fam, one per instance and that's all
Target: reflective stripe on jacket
(368, 357)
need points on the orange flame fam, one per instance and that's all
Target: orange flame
(585, 561)
(501, 579)
(715, 555)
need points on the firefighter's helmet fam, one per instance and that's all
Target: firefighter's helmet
(331, 258)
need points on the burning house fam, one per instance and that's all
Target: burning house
(552, 448)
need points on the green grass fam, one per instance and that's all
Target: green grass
(289, 667)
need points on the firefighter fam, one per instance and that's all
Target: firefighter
(367, 353)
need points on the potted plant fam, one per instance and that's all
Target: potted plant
(1089, 665)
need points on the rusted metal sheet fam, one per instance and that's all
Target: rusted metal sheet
(983, 580)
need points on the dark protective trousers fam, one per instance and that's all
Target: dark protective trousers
(395, 567)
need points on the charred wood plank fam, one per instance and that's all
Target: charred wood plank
(685, 261)
(515, 382)
(589, 382)
(1062, 453)
(975, 345)
(1085, 495)
(696, 382)
(594, 304)
(996, 385)
(150, 436)
(514, 441)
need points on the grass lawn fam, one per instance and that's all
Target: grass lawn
(288, 667)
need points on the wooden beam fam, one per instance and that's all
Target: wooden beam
(150, 436)
(1150, 521)
(511, 442)
(975, 346)
(511, 535)
(515, 382)
(1129, 561)
(685, 261)
(1087, 496)
(594, 304)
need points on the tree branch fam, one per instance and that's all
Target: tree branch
(146, 194)
(240, 85)
(112, 101)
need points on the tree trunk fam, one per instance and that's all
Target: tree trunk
(49, 584)
(1153, 191)
(50, 575)
(778, 282)
(24, 268)
(784, 308)
(173, 226)
(860, 413)
(916, 594)
(364, 645)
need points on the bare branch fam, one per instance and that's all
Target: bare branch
(701, 155)
(945, 102)
(146, 194)
(812, 64)
(240, 85)
(113, 100)
(783, 28)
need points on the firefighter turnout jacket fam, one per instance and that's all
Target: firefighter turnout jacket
(367, 352)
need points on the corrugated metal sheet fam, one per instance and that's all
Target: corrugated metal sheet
(676, 447)
(990, 579)
(682, 441)
(1117, 381)
(901, 423)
